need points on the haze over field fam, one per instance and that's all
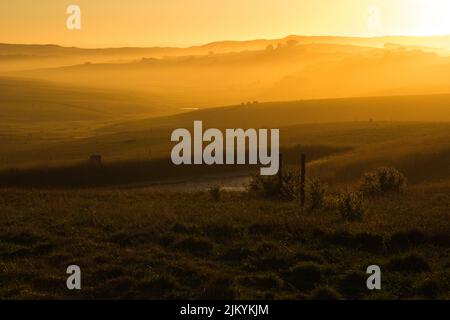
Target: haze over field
(55, 110)
(91, 94)
(233, 72)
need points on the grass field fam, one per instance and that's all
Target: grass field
(162, 243)
(346, 150)
(141, 243)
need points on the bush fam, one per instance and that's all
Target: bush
(214, 192)
(271, 187)
(351, 205)
(316, 194)
(382, 181)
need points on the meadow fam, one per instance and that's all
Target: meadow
(137, 240)
(140, 243)
(141, 228)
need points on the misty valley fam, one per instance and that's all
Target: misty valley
(280, 168)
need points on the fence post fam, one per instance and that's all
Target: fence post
(302, 179)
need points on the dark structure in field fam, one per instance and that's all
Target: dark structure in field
(95, 160)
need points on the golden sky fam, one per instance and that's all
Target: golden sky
(108, 23)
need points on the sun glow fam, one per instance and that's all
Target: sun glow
(107, 23)
(429, 17)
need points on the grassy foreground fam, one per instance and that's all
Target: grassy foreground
(141, 243)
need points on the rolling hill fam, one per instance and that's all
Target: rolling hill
(287, 72)
(405, 132)
(32, 101)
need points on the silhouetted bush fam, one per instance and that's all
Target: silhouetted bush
(316, 192)
(382, 181)
(351, 205)
(272, 187)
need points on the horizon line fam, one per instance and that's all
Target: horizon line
(223, 41)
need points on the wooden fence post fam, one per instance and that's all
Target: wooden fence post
(302, 179)
(280, 171)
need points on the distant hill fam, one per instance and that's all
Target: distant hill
(22, 57)
(224, 46)
(28, 101)
(425, 108)
(288, 71)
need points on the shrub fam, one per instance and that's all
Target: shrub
(305, 275)
(316, 194)
(382, 181)
(351, 205)
(271, 186)
(325, 293)
(214, 192)
(409, 263)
